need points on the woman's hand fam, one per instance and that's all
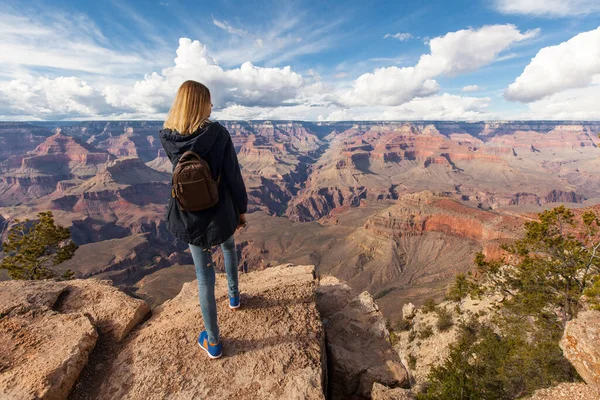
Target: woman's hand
(243, 222)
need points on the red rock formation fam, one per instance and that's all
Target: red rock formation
(20, 137)
(39, 172)
(492, 165)
(424, 212)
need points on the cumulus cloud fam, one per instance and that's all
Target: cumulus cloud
(455, 53)
(247, 85)
(400, 36)
(59, 98)
(71, 97)
(572, 104)
(468, 49)
(388, 87)
(470, 88)
(442, 107)
(571, 64)
(550, 8)
(438, 107)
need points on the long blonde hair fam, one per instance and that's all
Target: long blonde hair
(191, 108)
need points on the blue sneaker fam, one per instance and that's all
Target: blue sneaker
(213, 350)
(235, 302)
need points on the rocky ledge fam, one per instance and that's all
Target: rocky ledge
(48, 329)
(84, 339)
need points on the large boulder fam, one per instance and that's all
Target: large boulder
(48, 329)
(42, 351)
(408, 311)
(273, 347)
(113, 312)
(581, 346)
(358, 344)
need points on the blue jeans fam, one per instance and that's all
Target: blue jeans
(205, 272)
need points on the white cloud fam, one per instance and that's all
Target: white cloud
(470, 88)
(438, 107)
(468, 50)
(570, 64)
(572, 104)
(247, 85)
(550, 8)
(60, 98)
(228, 28)
(400, 36)
(453, 54)
(442, 107)
(389, 87)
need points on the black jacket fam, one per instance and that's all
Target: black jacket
(214, 225)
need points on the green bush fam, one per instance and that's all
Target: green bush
(485, 365)
(463, 286)
(428, 306)
(444, 321)
(403, 325)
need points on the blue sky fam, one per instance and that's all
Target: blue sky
(309, 60)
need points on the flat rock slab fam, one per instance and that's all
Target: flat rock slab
(49, 328)
(273, 347)
(42, 353)
(113, 312)
(27, 295)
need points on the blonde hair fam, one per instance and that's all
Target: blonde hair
(191, 108)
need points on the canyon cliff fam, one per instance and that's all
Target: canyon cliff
(84, 339)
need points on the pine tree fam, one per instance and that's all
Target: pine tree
(552, 265)
(548, 272)
(33, 248)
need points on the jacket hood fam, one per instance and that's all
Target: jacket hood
(200, 141)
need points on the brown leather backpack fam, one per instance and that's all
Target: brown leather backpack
(193, 185)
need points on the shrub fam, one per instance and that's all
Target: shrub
(463, 286)
(428, 306)
(403, 325)
(425, 332)
(412, 361)
(485, 365)
(444, 321)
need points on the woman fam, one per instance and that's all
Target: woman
(187, 128)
